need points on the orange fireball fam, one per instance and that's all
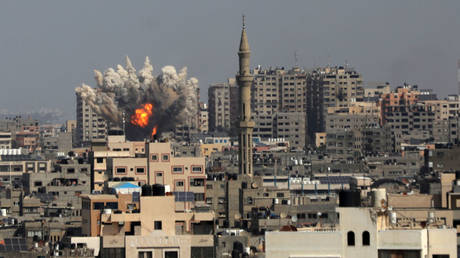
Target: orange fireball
(141, 115)
(154, 130)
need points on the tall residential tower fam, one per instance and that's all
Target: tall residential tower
(246, 126)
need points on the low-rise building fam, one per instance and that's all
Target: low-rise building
(365, 232)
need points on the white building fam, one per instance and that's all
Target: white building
(367, 233)
(5, 140)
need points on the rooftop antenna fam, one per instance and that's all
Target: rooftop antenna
(244, 21)
(124, 123)
(296, 58)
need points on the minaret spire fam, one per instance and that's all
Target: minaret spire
(246, 125)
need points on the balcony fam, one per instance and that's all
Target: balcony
(120, 217)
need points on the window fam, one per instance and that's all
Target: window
(197, 169)
(366, 238)
(147, 254)
(171, 254)
(140, 170)
(177, 170)
(351, 238)
(158, 225)
(197, 182)
(99, 160)
(112, 205)
(199, 197)
(71, 170)
(165, 157)
(208, 186)
(154, 157)
(179, 183)
(98, 206)
(121, 170)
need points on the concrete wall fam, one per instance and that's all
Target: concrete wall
(303, 244)
(91, 243)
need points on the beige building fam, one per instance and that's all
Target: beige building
(147, 225)
(444, 109)
(149, 163)
(375, 90)
(328, 87)
(12, 167)
(89, 126)
(222, 108)
(366, 233)
(203, 121)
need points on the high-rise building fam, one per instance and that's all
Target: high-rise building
(290, 126)
(246, 125)
(265, 91)
(330, 87)
(275, 93)
(203, 124)
(219, 109)
(90, 125)
(293, 91)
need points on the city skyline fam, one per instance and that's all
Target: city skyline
(399, 42)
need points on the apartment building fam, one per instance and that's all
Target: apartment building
(330, 87)
(406, 121)
(444, 109)
(60, 188)
(291, 127)
(6, 140)
(90, 126)
(373, 91)
(265, 99)
(358, 116)
(293, 90)
(223, 105)
(13, 166)
(149, 163)
(135, 224)
(203, 121)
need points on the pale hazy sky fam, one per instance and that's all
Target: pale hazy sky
(47, 48)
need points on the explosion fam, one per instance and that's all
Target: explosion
(154, 130)
(151, 103)
(141, 115)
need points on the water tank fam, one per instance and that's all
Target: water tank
(379, 198)
(393, 218)
(349, 198)
(158, 190)
(3, 212)
(146, 190)
(431, 217)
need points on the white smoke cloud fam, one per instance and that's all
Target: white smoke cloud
(119, 92)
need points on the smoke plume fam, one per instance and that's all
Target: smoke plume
(121, 91)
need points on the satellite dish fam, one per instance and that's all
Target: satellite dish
(254, 185)
(294, 219)
(237, 216)
(283, 215)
